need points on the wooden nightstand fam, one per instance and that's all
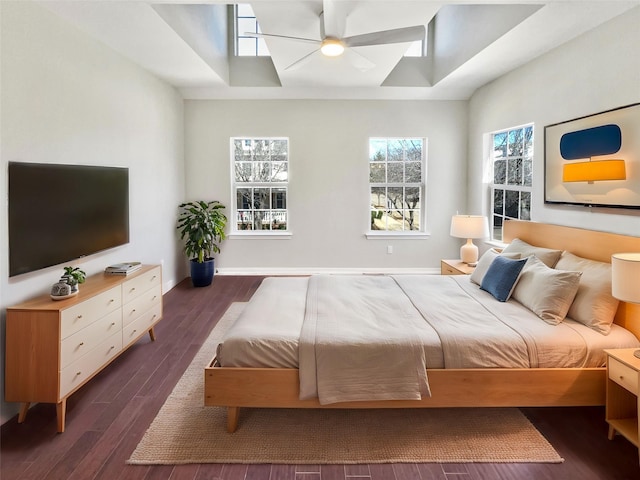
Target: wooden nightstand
(623, 378)
(455, 267)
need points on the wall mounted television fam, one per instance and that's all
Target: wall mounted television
(59, 213)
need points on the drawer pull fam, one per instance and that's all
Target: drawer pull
(133, 310)
(112, 347)
(81, 344)
(78, 373)
(79, 317)
(132, 289)
(113, 324)
(153, 278)
(111, 301)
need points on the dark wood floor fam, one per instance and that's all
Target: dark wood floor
(107, 418)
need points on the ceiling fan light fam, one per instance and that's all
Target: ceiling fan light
(332, 47)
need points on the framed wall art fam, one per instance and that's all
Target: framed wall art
(594, 160)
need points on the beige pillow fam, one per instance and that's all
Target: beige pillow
(484, 263)
(545, 291)
(594, 306)
(548, 256)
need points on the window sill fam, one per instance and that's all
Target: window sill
(253, 235)
(397, 235)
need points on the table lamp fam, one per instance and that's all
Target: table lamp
(469, 227)
(625, 279)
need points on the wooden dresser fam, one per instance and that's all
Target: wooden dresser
(55, 347)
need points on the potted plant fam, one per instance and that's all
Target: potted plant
(74, 276)
(201, 225)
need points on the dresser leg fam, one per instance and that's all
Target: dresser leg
(152, 334)
(61, 411)
(24, 408)
(612, 432)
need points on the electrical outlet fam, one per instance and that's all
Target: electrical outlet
(389, 249)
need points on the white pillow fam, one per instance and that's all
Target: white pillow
(545, 291)
(548, 256)
(594, 306)
(485, 261)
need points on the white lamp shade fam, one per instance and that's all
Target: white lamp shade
(625, 276)
(469, 226)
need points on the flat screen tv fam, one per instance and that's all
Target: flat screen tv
(58, 213)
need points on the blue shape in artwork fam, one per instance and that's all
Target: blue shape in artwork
(602, 140)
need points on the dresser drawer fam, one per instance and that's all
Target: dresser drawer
(75, 374)
(623, 375)
(142, 324)
(140, 284)
(87, 312)
(448, 270)
(142, 303)
(83, 341)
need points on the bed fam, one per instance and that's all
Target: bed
(571, 375)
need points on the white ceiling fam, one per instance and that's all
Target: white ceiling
(184, 42)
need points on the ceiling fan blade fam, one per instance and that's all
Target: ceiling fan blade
(332, 22)
(397, 35)
(302, 61)
(358, 60)
(271, 35)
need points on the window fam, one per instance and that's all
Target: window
(245, 21)
(396, 182)
(512, 161)
(260, 179)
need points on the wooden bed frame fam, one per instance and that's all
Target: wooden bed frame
(278, 387)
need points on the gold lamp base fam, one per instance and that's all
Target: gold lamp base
(637, 353)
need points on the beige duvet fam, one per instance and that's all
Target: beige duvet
(373, 337)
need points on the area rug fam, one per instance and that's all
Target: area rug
(185, 431)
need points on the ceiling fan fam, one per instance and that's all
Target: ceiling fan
(332, 43)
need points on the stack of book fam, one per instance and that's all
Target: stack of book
(122, 268)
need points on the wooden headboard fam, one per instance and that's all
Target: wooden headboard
(584, 243)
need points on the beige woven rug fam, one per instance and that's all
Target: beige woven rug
(185, 431)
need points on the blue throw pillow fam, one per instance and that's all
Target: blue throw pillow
(502, 276)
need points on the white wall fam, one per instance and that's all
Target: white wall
(68, 99)
(597, 71)
(328, 191)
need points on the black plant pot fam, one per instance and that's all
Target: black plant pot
(202, 273)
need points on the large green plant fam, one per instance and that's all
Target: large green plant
(201, 225)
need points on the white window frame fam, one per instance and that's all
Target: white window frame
(260, 46)
(419, 233)
(271, 184)
(523, 190)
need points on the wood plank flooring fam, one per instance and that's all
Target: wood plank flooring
(107, 418)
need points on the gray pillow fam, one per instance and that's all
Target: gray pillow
(485, 260)
(594, 306)
(548, 256)
(545, 291)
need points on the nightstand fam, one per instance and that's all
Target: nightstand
(623, 378)
(455, 267)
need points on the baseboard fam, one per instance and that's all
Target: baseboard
(274, 271)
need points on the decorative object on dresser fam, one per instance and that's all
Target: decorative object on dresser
(469, 227)
(625, 274)
(75, 276)
(123, 268)
(53, 348)
(623, 392)
(201, 225)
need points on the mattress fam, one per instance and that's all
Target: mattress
(480, 332)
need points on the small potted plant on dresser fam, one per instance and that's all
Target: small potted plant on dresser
(201, 225)
(74, 276)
